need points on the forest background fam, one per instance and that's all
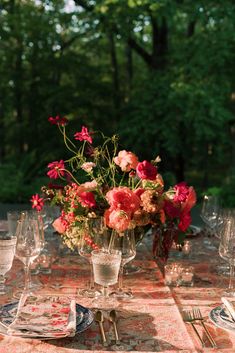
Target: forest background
(159, 73)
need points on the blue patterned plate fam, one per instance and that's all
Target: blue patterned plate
(220, 318)
(84, 318)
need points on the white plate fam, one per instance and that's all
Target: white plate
(220, 318)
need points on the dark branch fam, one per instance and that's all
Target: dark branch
(84, 5)
(139, 50)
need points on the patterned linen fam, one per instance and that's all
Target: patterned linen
(150, 322)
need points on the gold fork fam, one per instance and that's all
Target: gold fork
(197, 315)
(187, 317)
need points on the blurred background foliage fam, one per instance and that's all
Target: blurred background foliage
(161, 74)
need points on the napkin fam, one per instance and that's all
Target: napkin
(229, 306)
(44, 316)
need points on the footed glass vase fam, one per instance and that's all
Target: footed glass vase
(163, 238)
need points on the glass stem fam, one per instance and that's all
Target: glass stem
(92, 282)
(231, 275)
(105, 292)
(120, 278)
(27, 277)
(2, 284)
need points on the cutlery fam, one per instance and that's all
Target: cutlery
(198, 316)
(187, 317)
(100, 319)
(229, 308)
(113, 318)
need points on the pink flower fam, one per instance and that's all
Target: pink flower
(59, 226)
(88, 166)
(145, 170)
(117, 219)
(87, 199)
(139, 191)
(191, 200)
(56, 169)
(122, 198)
(126, 160)
(83, 135)
(37, 202)
(185, 221)
(181, 192)
(58, 120)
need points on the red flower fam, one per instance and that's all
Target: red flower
(56, 169)
(117, 219)
(58, 120)
(171, 210)
(87, 199)
(37, 202)
(185, 221)
(145, 170)
(83, 135)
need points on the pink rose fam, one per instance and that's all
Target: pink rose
(185, 221)
(126, 160)
(117, 219)
(146, 170)
(59, 226)
(122, 198)
(87, 199)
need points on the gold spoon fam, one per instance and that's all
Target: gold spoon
(113, 318)
(100, 318)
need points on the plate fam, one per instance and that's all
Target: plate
(220, 318)
(84, 318)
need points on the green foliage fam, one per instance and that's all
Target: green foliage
(158, 73)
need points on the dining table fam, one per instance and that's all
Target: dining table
(150, 321)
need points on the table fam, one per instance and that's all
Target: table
(150, 322)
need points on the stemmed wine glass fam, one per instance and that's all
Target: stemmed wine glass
(209, 214)
(28, 246)
(92, 239)
(227, 250)
(125, 243)
(7, 251)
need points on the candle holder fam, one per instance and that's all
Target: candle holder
(172, 273)
(186, 277)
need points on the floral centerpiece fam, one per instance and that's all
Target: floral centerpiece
(100, 180)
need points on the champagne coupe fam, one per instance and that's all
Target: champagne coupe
(106, 267)
(125, 243)
(92, 239)
(28, 246)
(227, 250)
(209, 214)
(7, 251)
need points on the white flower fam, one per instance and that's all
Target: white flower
(88, 166)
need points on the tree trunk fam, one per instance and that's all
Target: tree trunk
(115, 74)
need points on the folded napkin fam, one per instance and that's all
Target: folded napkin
(44, 316)
(229, 306)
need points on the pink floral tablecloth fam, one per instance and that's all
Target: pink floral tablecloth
(150, 322)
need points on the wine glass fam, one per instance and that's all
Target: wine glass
(93, 238)
(106, 266)
(7, 251)
(125, 243)
(227, 250)
(28, 246)
(209, 214)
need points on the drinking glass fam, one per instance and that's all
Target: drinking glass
(209, 214)
(93, 238)
(106, 267)
(28, 245)
(125, 243)
(227, 251)
(7, 251)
